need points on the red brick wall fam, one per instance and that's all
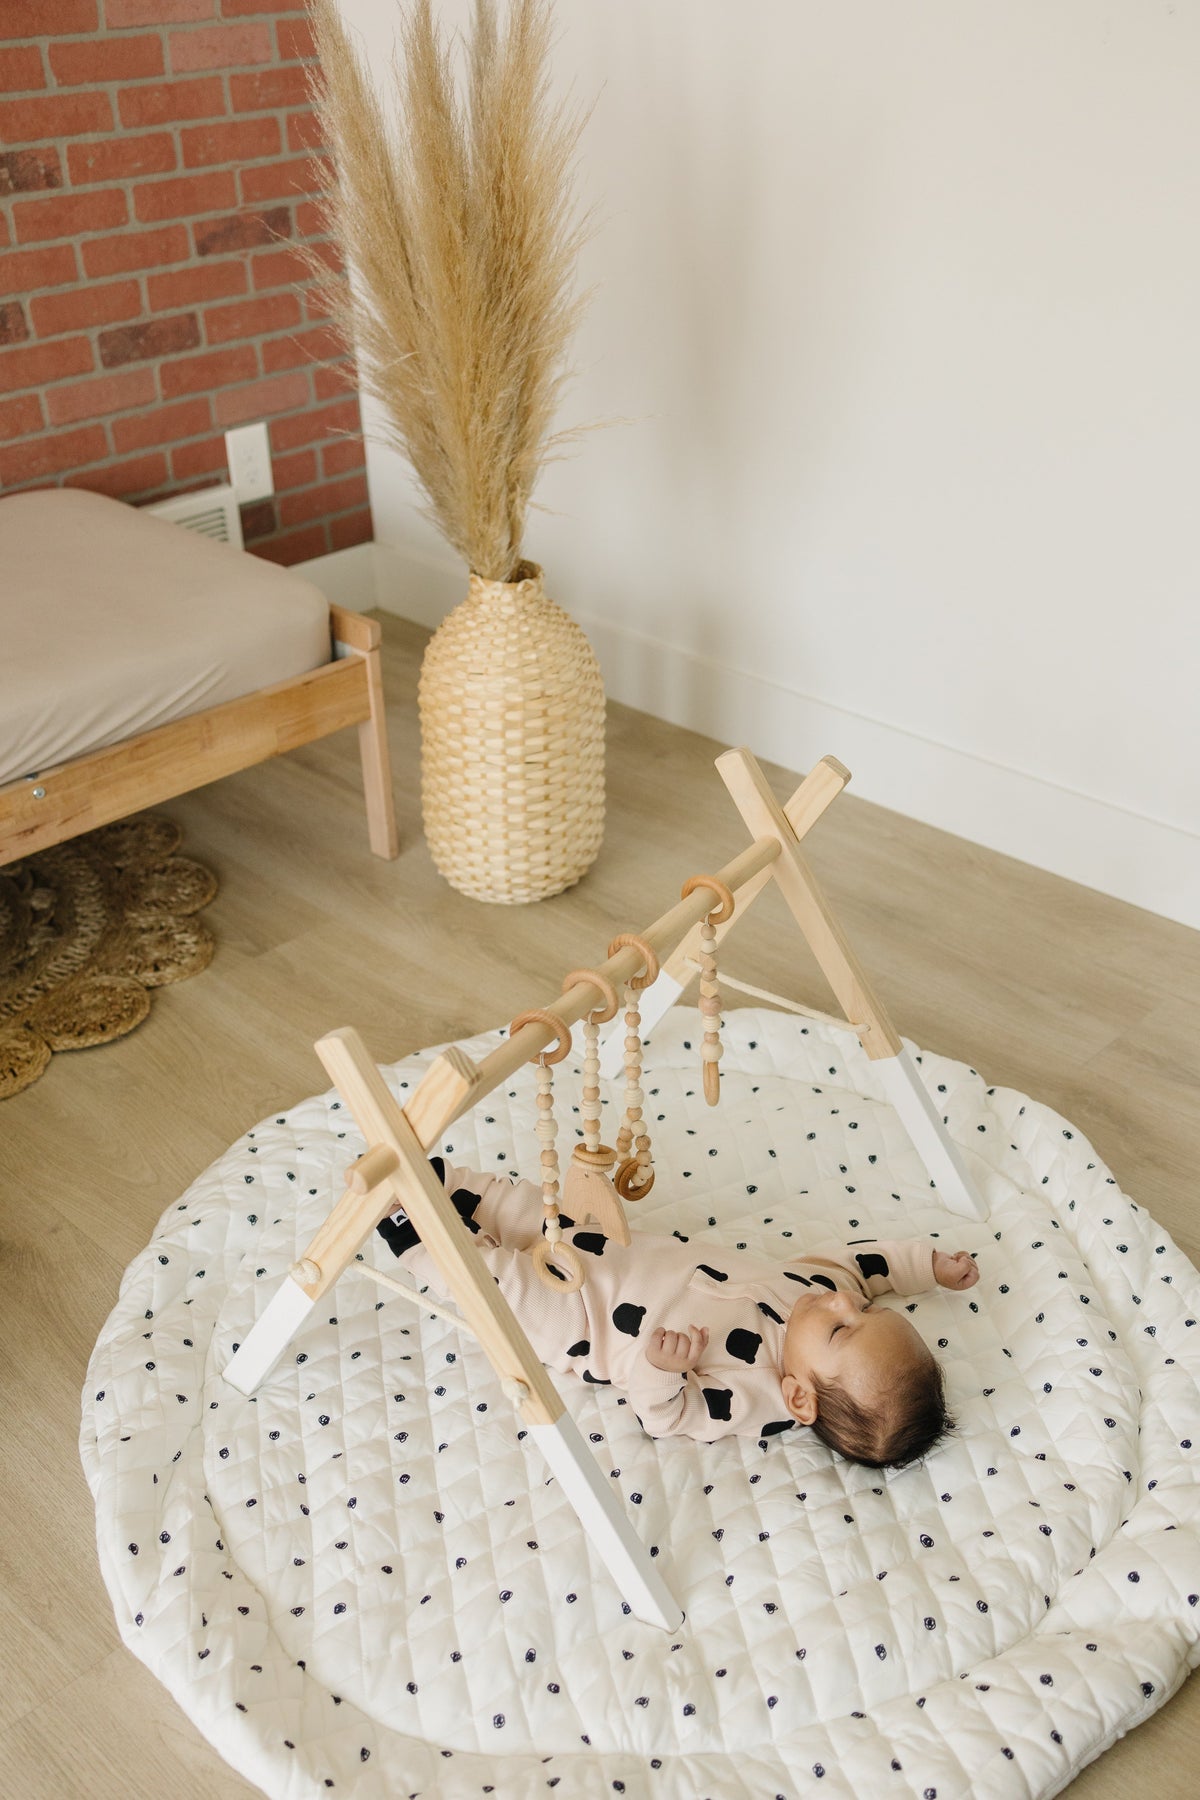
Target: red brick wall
(156, 173)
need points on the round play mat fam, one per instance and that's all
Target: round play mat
(363, 1580)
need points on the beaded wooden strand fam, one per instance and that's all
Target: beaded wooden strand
(598, 1154)
(550, 1255)
(635, 1173)
(710, 992)
(587, 1190)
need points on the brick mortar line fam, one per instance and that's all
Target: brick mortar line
(144, 225)
(119, 275)
(155, 365)
(118, 457)
(128, 456)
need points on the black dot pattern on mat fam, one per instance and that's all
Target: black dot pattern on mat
(306, 1421)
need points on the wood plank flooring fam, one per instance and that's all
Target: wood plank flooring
(1087, 1003)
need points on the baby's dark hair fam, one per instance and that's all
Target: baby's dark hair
(908, 1422)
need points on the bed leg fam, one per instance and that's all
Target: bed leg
(604, 1520)
(923, 1122)
(376, 765)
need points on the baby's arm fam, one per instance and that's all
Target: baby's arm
(507, 1209)
(673, 1396)
(898, 1265)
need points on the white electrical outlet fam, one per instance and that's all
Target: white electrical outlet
(248, 451)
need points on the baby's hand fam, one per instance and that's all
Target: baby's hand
(954, 1271)
(676, 1351)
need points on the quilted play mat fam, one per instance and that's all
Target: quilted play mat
(363, 1579)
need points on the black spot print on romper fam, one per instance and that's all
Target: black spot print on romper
(871, 1263)
(743, 1344)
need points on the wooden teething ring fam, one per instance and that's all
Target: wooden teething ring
(710, 992)
(635, 1174)
(540, 1016)
(550, 1255)
(598, 1015)
(650, 960)
(719, 914)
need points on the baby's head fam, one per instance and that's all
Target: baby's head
(863, 1378)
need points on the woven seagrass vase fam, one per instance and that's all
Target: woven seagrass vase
(512, 744)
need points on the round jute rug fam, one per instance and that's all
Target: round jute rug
(86, 928)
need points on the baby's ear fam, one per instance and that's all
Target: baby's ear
(799, 1399)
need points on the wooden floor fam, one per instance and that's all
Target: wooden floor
(1085, 1002)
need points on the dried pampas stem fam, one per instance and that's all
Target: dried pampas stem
(458, 224)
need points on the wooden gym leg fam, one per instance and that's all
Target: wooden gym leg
(446, 1085)
(923, 1123)
(466, 1277)
(605, 1521)
(336, 1244)
(269, 1337)
(765, 817)
(819, 789)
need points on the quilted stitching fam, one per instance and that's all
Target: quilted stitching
(364, 1575)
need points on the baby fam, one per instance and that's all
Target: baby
(709, 1342)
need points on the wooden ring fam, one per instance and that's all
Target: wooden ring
(595, 1017)
(650, 960)
(544, 1254)
(718, 914)
(541, 1017)
(603, 1158)
(623, 1179)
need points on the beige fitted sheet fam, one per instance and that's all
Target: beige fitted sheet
(113, 622)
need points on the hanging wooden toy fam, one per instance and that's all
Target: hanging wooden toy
(635, 1170)
(710, 992)
(587, 1187)
(551, 1256)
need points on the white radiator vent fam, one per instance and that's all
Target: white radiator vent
(212, 511)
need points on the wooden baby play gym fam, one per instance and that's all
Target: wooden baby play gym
(652, 968)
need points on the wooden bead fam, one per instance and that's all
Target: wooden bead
(711, 1053)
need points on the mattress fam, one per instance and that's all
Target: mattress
(115, 621)
(364, 1579)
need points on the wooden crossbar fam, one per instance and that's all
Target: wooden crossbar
(437, 1102)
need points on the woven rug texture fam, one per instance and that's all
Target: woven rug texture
(87, 928)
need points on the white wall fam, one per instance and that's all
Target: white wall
(903, 302)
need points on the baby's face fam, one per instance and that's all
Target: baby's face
(846, 1340)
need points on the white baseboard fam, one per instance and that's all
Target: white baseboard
(1125, 854)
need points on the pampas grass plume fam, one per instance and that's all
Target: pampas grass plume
(457, 220)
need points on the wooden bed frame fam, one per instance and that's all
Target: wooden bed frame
(60, 803)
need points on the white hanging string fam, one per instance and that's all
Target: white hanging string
(757, 993)
(512, 1388)
(410, 1293)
